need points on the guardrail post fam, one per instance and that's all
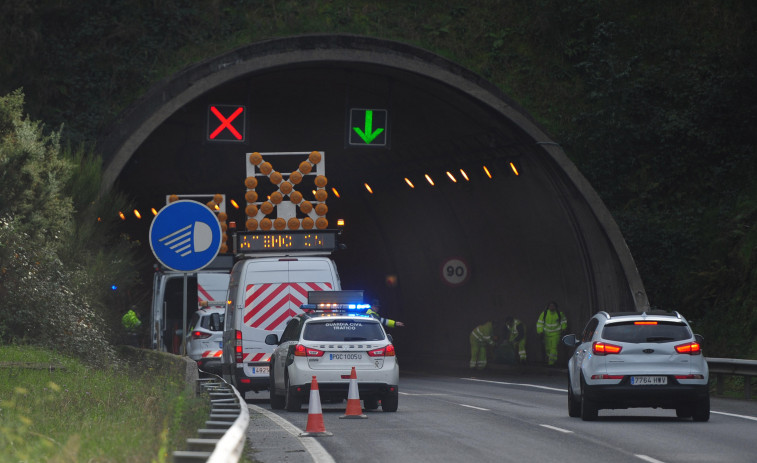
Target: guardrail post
(719, 384)
(748, 387)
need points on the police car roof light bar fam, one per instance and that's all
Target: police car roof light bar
(326, 307)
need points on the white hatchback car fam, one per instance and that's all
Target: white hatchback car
(633, 359)
(327, 345)
(205, 339)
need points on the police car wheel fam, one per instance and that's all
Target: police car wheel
(371, 403)
(277, 401)
(292, 402)
(390, 403)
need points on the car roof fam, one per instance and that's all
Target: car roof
(210, 310)
(659, 315)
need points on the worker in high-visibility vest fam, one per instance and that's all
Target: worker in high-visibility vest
(384, 321)
(517, 337)
(551, 324)
(481, 339)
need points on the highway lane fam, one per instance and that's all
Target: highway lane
(515, 417)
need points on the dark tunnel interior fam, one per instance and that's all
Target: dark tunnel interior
(499, 204)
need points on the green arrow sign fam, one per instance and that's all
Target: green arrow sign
(373, 130)
(368, 135)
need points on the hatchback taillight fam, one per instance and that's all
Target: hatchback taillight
(691, 348)
(238, 354)
(304, 351)
(605, 348)
(387, 351)
(200, 335)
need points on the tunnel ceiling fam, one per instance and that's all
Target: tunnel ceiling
(539, 235)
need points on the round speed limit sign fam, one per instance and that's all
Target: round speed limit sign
(455, 272)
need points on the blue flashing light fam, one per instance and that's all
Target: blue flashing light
(333, 307)
(113, 287)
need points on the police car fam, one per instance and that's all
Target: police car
(326, 342)
(632, 359)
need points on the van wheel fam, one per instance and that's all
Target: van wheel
(292, 402)
(277, 401)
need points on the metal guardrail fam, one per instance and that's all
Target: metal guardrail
(223, 439)
(721, 367)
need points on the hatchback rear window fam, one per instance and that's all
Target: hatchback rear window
(637, 333)
(343, 330)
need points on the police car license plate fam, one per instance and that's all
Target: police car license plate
(649, 380)
(346, 356)
(260, 371)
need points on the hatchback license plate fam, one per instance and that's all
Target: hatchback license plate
(648, 380)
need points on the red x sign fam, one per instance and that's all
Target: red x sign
(226, 123)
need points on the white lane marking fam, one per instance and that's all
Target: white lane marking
(555, 428)
(535, 386)
(649, 459)
(423, 394)
(312, 446)
(746, 417)
(477, 408)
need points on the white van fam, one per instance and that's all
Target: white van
(264, 294)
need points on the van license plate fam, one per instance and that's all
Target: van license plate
(649, 380)
(260, 371)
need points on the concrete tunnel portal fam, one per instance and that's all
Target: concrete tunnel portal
(508, 243)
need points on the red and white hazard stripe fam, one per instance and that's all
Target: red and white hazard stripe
(259, 357)
(270, 305)
(202, 293)
(212, 353)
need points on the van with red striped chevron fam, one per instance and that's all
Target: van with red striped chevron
(264, 294)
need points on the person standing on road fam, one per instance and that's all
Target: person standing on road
(517, 337)
(551, 324)
(481, 339)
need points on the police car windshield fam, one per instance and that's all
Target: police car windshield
(343, 330)
(636, 333)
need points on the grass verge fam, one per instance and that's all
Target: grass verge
(55, 408)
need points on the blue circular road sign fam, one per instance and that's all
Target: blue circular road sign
(185, 236)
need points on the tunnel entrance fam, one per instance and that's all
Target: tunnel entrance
(467, 212)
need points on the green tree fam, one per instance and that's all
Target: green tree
(54, 263)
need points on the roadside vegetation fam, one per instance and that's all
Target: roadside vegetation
(55, 408)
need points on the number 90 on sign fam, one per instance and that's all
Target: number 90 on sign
(454, 272)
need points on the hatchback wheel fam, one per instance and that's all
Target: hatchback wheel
(588, 407)
(574, 405)
(702, 409)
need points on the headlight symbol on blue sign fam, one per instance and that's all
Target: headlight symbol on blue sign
(185, 236)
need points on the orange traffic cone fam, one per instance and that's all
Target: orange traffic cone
(353, 399)
(315, 426)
